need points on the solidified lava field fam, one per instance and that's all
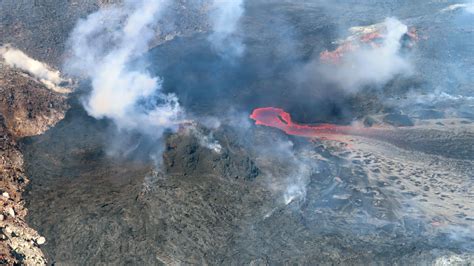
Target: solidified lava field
(170, 153)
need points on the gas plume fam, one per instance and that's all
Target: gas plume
(107, 47)
(224, 17)
(297, 179)
(371, 64)
(468, 7)
(205, 139)
(291, 168)
(45, 74)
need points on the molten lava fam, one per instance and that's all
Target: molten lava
(369, 36)
(278, 118)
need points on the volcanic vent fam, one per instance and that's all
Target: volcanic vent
(237, 132)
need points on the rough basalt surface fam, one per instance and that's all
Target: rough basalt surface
(403, 199)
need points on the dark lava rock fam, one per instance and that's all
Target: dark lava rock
(466, 114)
(369, 121)
(430, 114)
(398, 120)
(184, 155)
(41, 27)
(99, 209)
(96, 209)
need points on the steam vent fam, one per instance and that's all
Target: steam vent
(236, 132)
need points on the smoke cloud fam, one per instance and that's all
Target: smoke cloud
(469, 7)
(224, 17)
(107, 47)
(290, 167)
(373, 64)
(301, 168)
(45, 74)
(205, 137)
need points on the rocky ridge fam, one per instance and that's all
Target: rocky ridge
(27, 108)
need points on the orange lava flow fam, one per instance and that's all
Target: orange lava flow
(335, 57)
(278, 118)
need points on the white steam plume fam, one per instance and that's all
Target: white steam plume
(105, 47)
(372, 65)
(290, 169)
(469, 7)
(224, 17)
(45, 74)
(206, 140)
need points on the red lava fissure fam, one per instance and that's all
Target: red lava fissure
(278, 118)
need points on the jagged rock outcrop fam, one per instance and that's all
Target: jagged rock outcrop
(27, 107)
(187, 155)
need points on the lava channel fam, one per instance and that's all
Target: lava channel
(278, 118)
